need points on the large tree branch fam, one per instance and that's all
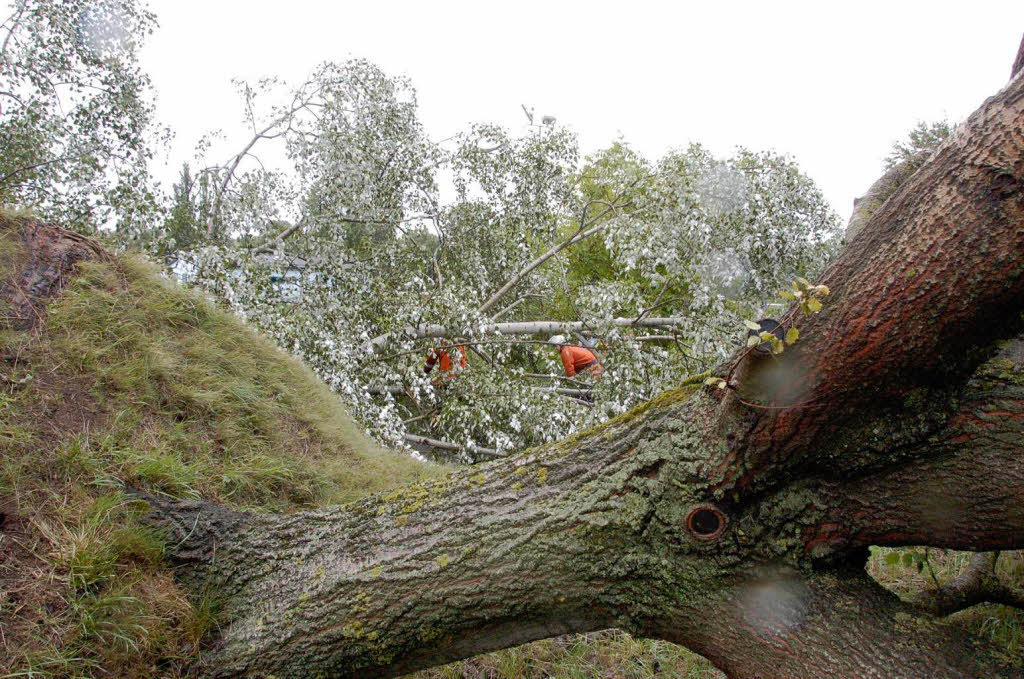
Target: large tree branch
(951, 480)
(841, 623)
(879, 192)
(1018, 63)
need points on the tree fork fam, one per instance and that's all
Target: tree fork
(738, 530)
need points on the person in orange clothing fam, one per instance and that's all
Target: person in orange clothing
(577, 360)
(442, 357)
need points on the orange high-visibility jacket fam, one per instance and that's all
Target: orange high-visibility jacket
(443, 357)
(576, 359)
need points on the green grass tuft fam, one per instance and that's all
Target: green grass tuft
(195, 404)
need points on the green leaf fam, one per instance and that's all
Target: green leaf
(753, 340)
(803, 281)
(715, 381)
(792, 335)
(752, 325)
(786, 294)
(814, 304)
(892, 558)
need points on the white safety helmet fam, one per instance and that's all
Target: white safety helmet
(557, 339)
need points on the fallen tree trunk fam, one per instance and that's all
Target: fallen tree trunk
(445, 445)
(565, 391)
(733, 521)
(522, 328)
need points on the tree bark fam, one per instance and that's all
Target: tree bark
(876, 195)
(1018, 63)
(733, 521)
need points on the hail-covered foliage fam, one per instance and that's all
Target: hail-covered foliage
(379, 248)
(362, 160)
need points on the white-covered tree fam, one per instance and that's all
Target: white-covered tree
(76, 113)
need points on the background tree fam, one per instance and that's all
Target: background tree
(76, 112)
(185, 225)
(921, 141)
(904, 159)
(364, 161)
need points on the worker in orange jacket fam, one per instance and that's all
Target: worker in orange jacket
(442, 357)
(576, 360)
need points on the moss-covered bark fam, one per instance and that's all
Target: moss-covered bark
(732, 521)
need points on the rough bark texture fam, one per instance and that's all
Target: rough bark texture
(879, 192)
(733, 521)
(1018, 63)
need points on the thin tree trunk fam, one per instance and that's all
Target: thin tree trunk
(526, 328)
(529, 268)
(445, 445)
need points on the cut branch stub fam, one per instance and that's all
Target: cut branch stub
(706, 522)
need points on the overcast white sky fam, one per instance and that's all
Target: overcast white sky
(833, 84)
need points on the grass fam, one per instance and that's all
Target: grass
(583, 656)
(196, 404)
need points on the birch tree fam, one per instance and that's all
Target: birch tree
(76, 113)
